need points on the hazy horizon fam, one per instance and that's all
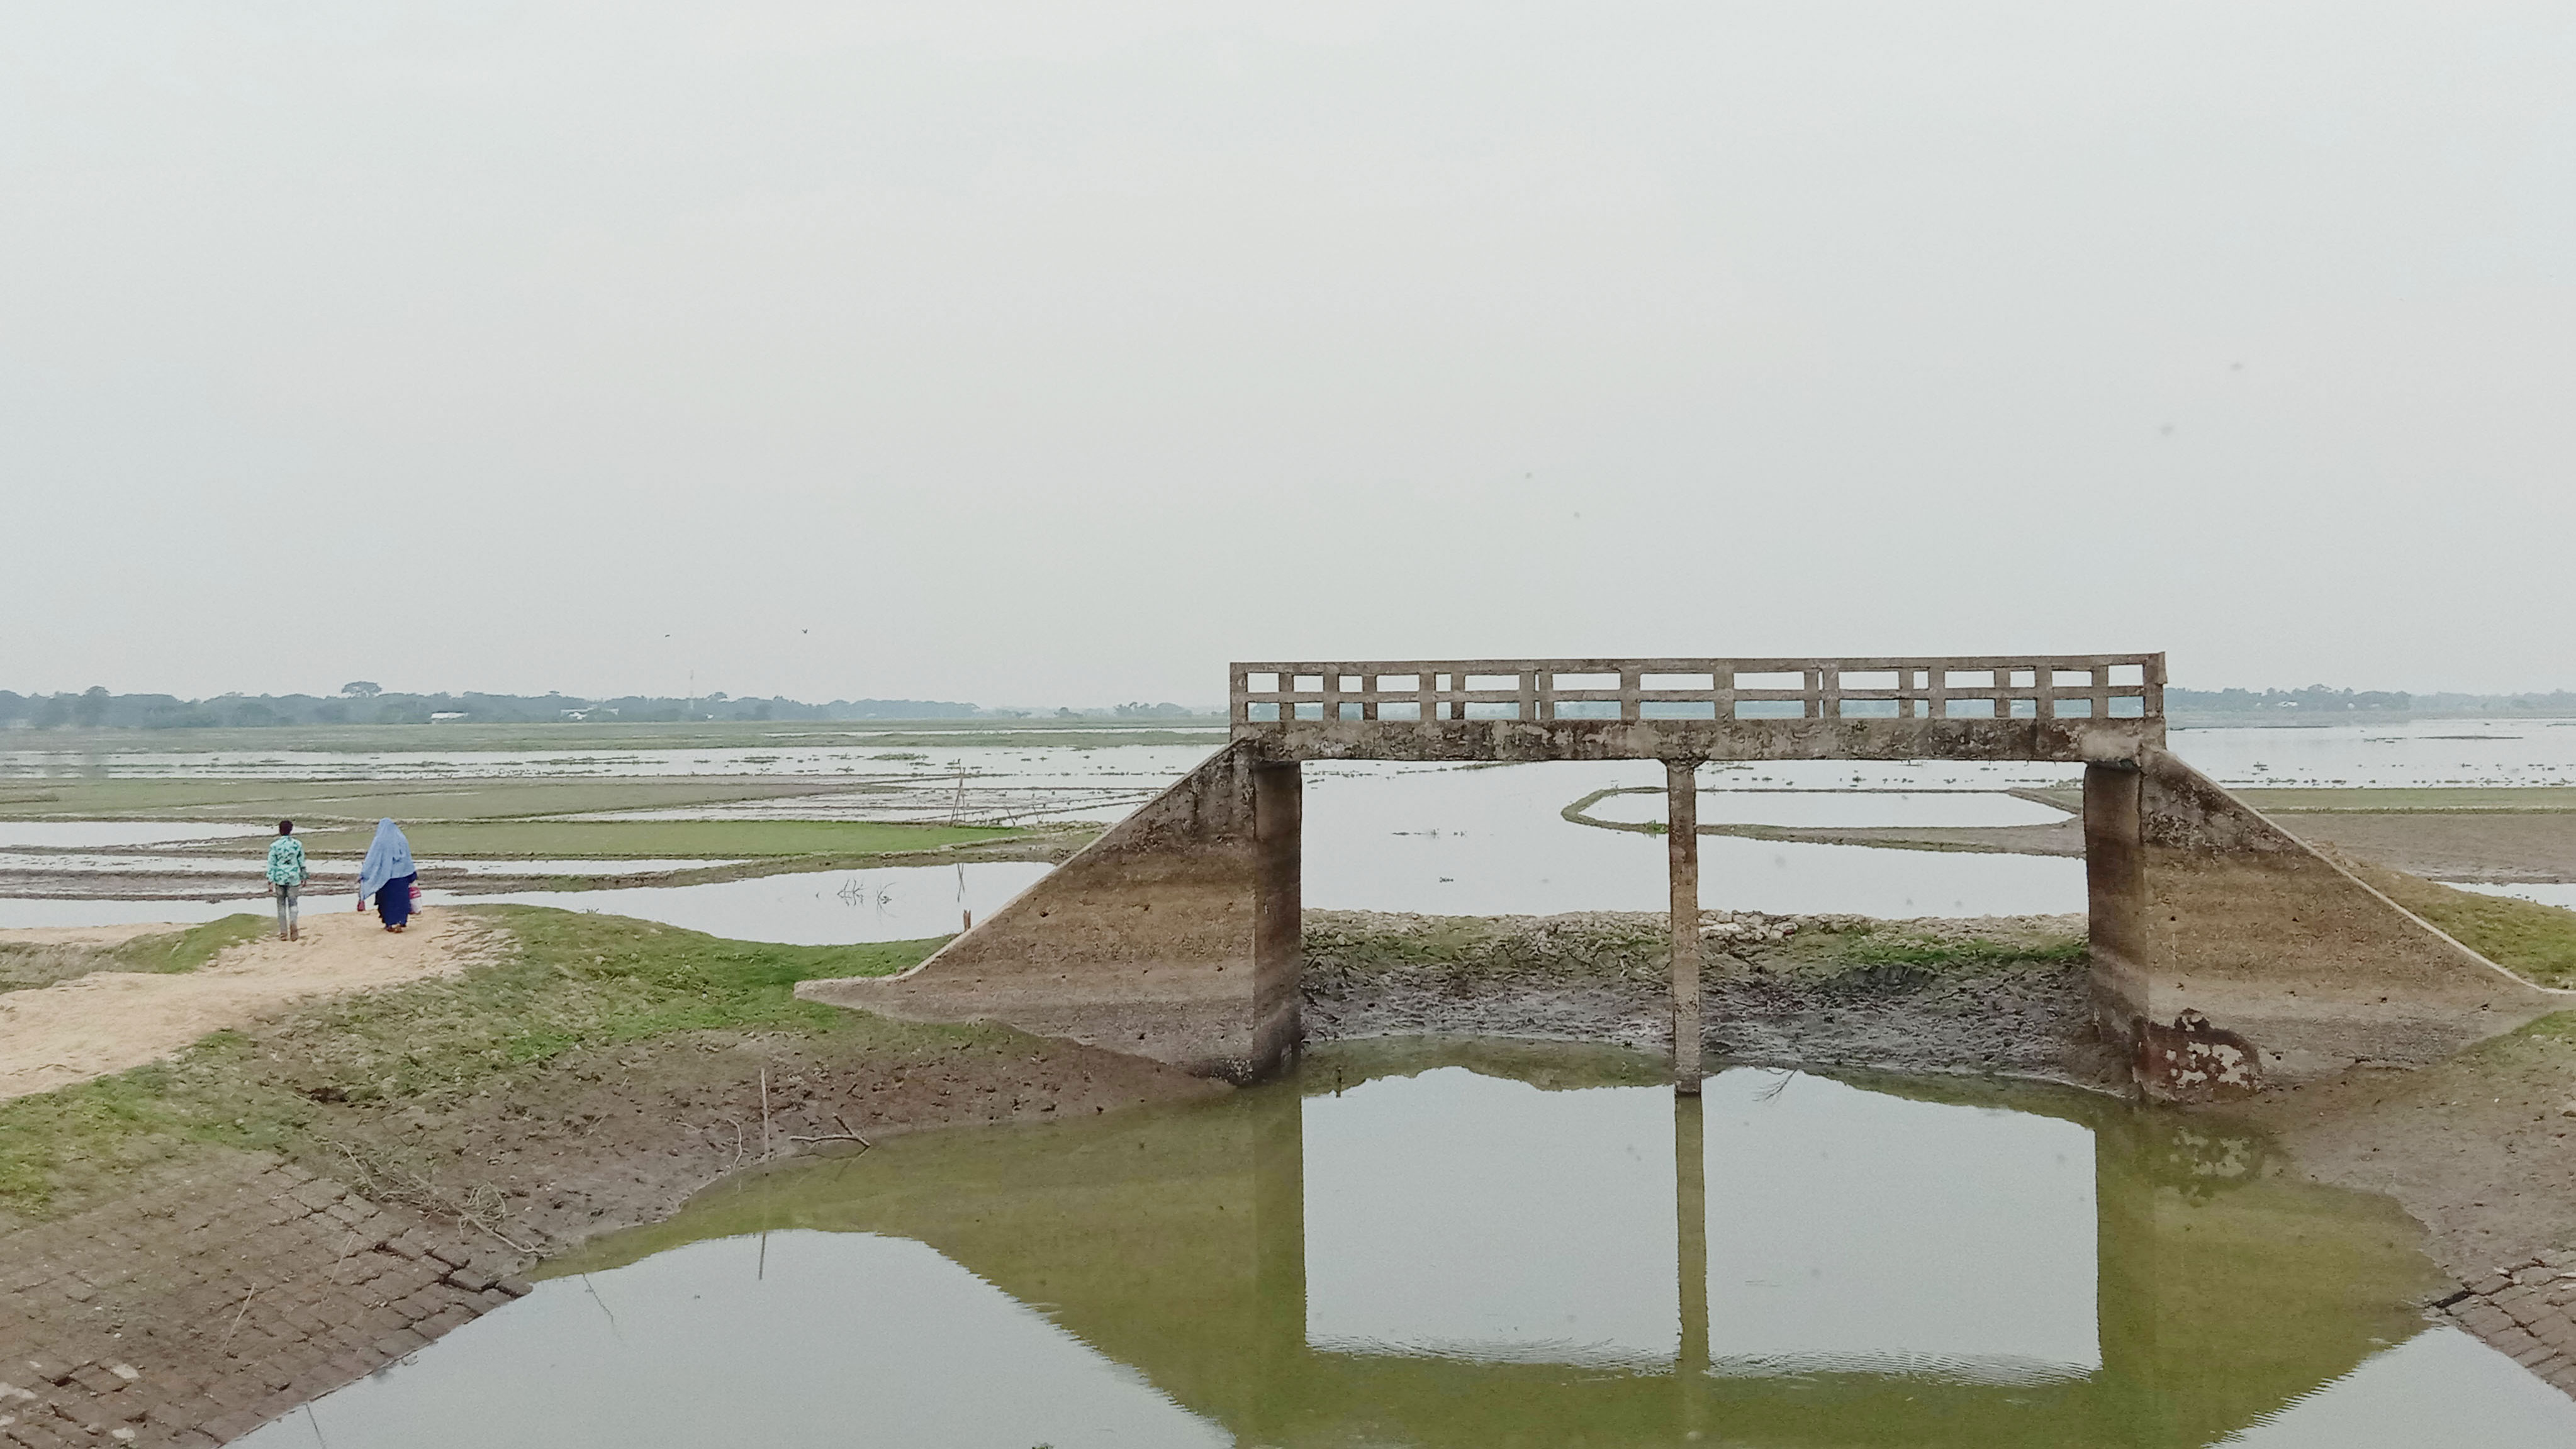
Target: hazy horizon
(1213, 707)
(1022, 351)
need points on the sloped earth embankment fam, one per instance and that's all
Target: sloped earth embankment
(193, 1247)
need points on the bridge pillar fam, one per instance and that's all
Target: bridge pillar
(2115, 900)
(1681, 835)
(1278, 903)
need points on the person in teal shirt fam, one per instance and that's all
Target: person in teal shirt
(286, 875)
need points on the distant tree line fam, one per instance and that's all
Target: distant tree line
(2315, 699)
(361, 702)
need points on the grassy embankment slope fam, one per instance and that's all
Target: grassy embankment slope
(386, 1073)
(24, 965)
(2534, 941)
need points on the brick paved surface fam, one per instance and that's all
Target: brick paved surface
(215, 1297)
(2528, 1312)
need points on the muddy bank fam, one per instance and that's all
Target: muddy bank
(217, 1288)
(192, 1248)
(1994, 994)
(2481, 1150)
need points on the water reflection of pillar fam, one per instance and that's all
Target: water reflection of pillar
(1690, 1234)
(1279, 1265)
(2135, 1409)
(1681, 836)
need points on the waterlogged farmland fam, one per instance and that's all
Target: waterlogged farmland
(642, 828)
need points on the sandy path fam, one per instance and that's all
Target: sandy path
(109, 1021)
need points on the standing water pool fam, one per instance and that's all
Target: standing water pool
(1480, 1244)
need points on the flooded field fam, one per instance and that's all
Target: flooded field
(821, 908)
(1379, 836)
(1495, 842)
(2548, 893)
(1831, 808)
(818, 908)
(1471, 1244)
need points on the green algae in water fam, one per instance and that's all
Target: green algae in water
(1480, 1244)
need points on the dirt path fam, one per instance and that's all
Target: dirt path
(109, 1021)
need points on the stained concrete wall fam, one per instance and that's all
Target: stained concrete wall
(1173, 936)
(2228, 955)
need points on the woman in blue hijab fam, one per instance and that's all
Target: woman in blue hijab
(388, 875)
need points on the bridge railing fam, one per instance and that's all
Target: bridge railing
(2086, 686)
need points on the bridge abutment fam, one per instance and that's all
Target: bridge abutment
(2228, 955)
(1173, 936)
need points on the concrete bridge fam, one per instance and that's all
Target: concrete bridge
(2226, 955)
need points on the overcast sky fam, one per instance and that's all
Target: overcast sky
(1063, 352)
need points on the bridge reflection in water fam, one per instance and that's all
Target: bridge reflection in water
(1390, 1250)
(1487, 1245)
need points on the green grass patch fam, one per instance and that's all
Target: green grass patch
(573, 982)
(2439, 800)
(2374, 800)
(2557, 1027)
(669, 839)
(189, 949)
(2533, 941)
(1878, 948)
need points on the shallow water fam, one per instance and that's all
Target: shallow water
(2423, 753)
(810, 908)
(253, 868)
(2548, 893)
(1487, 1244)
(1836, 809)
(1495, 842)
(1440, 838)
(94, 834)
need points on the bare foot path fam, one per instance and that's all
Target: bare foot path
(110, 1021)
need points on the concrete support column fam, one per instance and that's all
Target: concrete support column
(1681, 836)
(2115, 902)
(1278, 944)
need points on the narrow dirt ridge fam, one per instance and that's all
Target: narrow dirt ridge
(109, 1021)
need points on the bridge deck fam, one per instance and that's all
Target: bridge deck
(2099, 708)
